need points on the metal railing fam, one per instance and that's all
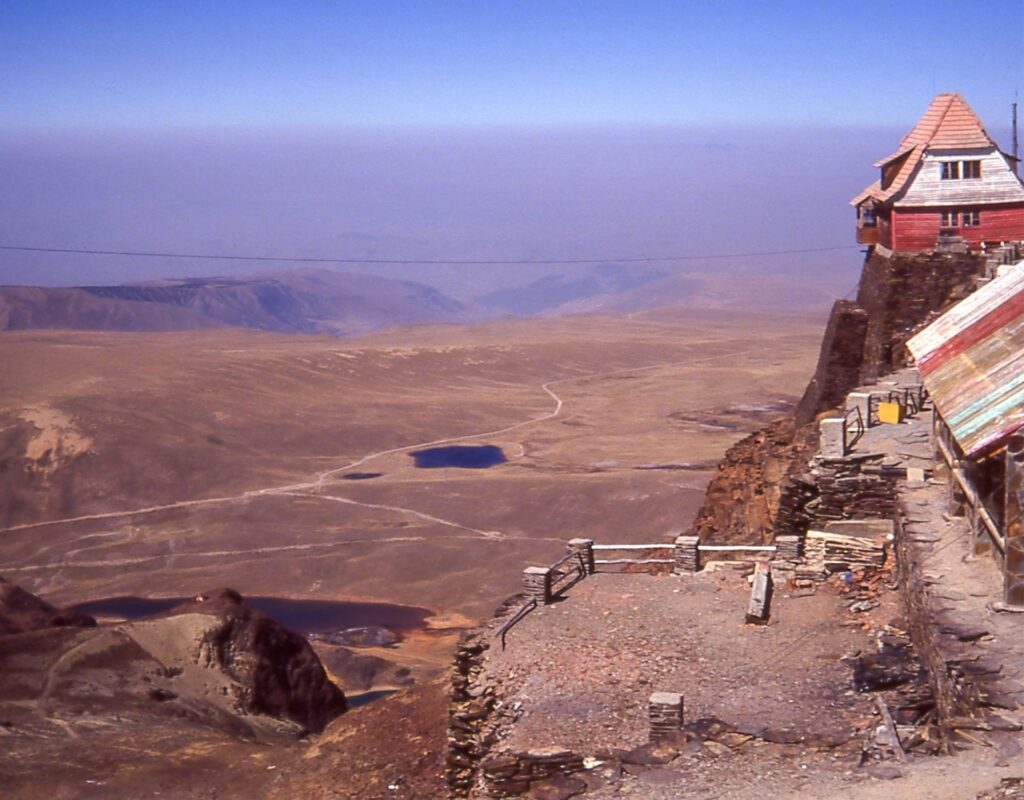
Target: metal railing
(625, 562)
(854, 421)
(911, 400)
(522, 612)
(565, 573)
(562, 577)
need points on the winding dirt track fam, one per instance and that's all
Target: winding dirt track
(313, 488)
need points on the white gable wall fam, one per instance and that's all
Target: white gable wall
(997, 184)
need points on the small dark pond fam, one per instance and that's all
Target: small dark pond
(356, 700)
(463, 456)
(302, 616)
(360, 476)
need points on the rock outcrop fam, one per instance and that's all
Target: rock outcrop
(864, 339)
(276, 671)
(21, 611)
(213, 662)
(742, 499)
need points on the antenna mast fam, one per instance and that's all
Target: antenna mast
(1015, 145)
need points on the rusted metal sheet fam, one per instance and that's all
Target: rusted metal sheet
(972, 362)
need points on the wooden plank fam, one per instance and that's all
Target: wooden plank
(997, 183)
(890, 729)
(732, 548)
(668, 546)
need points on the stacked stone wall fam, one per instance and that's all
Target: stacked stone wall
(832, 490)
(900, 293)
(952, 696)
(469, 734)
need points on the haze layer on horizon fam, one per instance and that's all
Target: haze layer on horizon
(600, 194)
(465, 130)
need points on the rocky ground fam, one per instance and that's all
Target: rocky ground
(579, 672)
(787, 710)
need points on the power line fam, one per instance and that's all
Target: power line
(423, 261)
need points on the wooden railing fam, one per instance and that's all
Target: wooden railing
(737, 548)
(943, 440)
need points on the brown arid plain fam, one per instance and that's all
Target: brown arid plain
(165, 464)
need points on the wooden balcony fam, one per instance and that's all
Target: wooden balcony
(867, 234)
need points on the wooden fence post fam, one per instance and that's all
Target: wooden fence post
(1013, 528)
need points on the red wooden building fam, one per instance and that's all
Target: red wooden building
(948, 178)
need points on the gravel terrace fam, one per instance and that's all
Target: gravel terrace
(582, 670)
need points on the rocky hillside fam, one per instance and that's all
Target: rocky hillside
(863, 339)
(300, 301)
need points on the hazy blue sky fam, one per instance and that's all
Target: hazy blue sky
(466, 129)
(102, 63)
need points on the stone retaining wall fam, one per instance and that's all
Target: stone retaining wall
(469, 735)
(513, 774)
(856, 487)
(951, 699)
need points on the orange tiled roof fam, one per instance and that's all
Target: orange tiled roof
(949, 123)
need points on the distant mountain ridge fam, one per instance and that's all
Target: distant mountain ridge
(552, 291)
(299, 301)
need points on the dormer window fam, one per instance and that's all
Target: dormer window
(960, 170)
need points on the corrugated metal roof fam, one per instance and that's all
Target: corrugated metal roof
(972, 362)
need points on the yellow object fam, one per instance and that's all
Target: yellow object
(890, 412)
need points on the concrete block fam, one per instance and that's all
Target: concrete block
(832, 437)
(759, 608)
(862, 402)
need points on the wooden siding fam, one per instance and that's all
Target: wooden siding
(997, 183)
(917, 229)
(884, 228)
(867, 235)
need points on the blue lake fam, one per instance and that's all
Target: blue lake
(462, 456)
(302, 616)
